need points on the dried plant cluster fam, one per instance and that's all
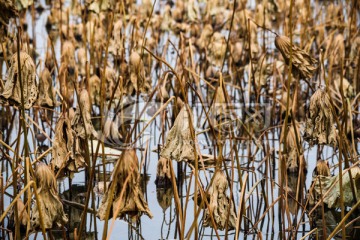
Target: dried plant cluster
(320, 124)
(199, 93)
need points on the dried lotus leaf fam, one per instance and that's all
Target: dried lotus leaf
(12, 90)
(163, 175)
(320, 124)
(331, 184)
(81, 122)
(51, 206)
(216, 49)
(62, 151)
(179, 143)
(125, 175)
(137, 74)
(7, 11)
(303, 63)
(219, 204)
(46, 97)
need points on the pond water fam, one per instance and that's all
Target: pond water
(258, 158)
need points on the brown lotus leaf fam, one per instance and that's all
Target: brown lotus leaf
(46, 90)
(23, 215)
(137, 74)
(68, 75)
(219, 204)
(65, 152)
(330, 188)
(51, 206)
(320, 124)
(81, 63)
(348, 89)
(94, 89)
(205, 37)
(179, 143)
(216, 49)
(12, 90)
(81, 122)
(111, 132)
(294, 159)
(111, 79)
(125, 177)
(322, 168)
(302, 63)
(7, 11)
(163, 175)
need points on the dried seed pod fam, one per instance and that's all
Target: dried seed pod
(51, 207)
(219, 204)
(320, 124)
(303, 63)
(125, 175)
(46, 91)
(179, 144)
(12, 90)
(163, 176)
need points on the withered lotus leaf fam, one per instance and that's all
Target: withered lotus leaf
(12, 90)
(303, 63)
(329, 188)
(163, 175)
(125, 178)
(46, 95)
(179, 143)
(320, 128)
(219, 204)
(51, 207)
(81, 122)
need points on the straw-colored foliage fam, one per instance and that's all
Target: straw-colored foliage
(51, 206)
(12, 88)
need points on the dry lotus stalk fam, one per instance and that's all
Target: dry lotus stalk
(51, 207)
(179, 143)
(320, 128)
(163, 175)
(331, 184)
(125, 175)
(219, 204)
(12, 90)
(302, 63)
(46, 91)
